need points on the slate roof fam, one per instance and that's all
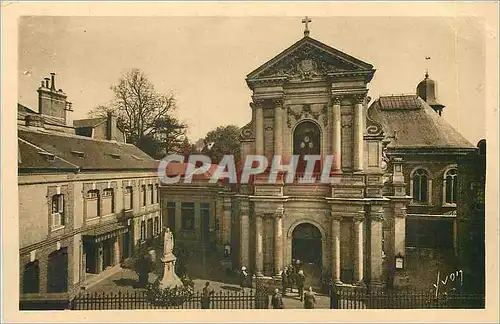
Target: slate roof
(91, 122)
(416, 124)
(22, 108)
(23, 111)
(80, 152)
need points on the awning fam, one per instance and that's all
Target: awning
(102, 233)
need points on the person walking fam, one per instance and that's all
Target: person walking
(284, 280)
(205, 296)
(301, 279)
(309, 299)
(277, 300)
(243, 277)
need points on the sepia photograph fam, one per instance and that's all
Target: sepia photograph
(234, 161)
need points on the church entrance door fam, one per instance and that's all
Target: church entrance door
(306, 247)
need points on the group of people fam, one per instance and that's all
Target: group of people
(308, 297)
(293, 275)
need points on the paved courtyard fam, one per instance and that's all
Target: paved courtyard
(126, 280)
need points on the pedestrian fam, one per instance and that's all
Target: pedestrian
(334, 297)
(309, 299)
(205, 297)
(284, 280)
(301, 279)
(243, 277)
(276, 300)
(292, 275)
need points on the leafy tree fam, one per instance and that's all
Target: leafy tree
(145, 115)
(224, 140)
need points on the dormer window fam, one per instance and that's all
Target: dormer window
(115, 156)
(49, 156)
(78, 154)
(135, 157)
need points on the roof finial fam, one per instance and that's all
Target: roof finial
(427, 69)
(306, 21)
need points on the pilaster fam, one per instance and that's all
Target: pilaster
(376, 227)
(335, 247)
(259, 127)
(278, 241)
(259, 253)
(278, 127)
(358, 132)
(358, 230)
(337, 135)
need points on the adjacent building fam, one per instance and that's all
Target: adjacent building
(86, 199)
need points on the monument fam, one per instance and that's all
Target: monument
(170, 278)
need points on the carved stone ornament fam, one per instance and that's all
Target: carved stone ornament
(306, 62)
(307, 111)
(247, 132)
(346, 121)
(373, 128)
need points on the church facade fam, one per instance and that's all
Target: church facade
(312, 99)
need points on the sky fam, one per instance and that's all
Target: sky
(203, 61)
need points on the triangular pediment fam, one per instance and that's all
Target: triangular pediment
(308, 58)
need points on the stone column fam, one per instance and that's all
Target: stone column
(376, 218)
(337, 135)
(259, 128)
(335, 247)
(178, 216)
(358, 132)
(278, 127)
(226, 221)
(244, 234)
(259, 252)
(278, 241)
(116, 250)
(358, 248)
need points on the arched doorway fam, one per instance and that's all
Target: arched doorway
(306, 141)
(306, 244)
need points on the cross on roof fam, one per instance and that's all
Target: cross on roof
(306, 21)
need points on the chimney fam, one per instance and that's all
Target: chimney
(53, 81)
(50, 101)
(111, 127)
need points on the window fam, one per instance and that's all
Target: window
(143, 230)
(57, 271)
(420, 186)
(156, 229)
(144, 195)
(31, 277)
(450, 186)
(108, 201)
(152, 193)
(129, 198)
(306, 141)
(58, 217)
(157, 190)
(93, 204)
(171, 216)
(150, 228)
(187, 212)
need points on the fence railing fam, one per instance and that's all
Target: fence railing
(143, 300)
(406, 299)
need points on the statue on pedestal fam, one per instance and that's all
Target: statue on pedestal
(170, 278)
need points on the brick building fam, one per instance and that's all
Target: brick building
(84, 201)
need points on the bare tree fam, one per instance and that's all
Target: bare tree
(145, 115)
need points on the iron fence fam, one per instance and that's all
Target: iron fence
(405, 299)
(142, 300)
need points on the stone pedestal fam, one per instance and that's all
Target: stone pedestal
(170, 278)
